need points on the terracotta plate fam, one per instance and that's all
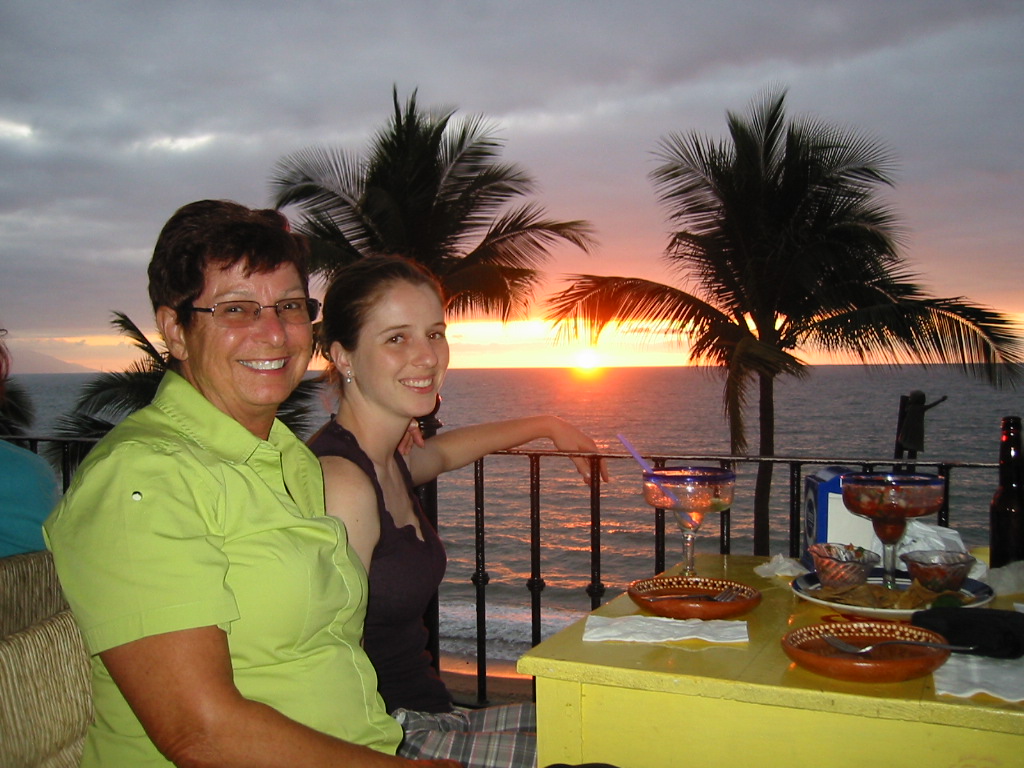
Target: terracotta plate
(680, 587)
(888, 664)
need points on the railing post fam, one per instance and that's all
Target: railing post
(795, 509)
(943, 471)
(480, 579)
(65, 466)
(535, 583)
(596, 588)
(725, 520)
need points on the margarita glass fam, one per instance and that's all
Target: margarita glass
(690, 492)
(888, 500)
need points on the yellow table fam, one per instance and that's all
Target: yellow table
(640, 705)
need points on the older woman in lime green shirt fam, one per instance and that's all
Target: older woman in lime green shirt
(222, 608)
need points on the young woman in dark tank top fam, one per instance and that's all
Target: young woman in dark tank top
(384, 334)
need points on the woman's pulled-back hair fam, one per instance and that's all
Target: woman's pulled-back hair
(357, 286)
(221, 233)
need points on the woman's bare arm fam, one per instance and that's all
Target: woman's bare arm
(450, 450)
(350, 496)
(180, 686)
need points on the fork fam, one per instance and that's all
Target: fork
(846, 647)
(725, 596)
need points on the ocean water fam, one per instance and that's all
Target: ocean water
(836, 412)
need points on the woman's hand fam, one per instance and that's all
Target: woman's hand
(567, 438)
(413, 436)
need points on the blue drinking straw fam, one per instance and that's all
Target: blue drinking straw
(644, 464)
(646, 467)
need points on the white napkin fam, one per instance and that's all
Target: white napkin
(1008, 580)
(922, 535)
(964, 675)
(657, 629)
(780, 565)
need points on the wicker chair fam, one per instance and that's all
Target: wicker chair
(45, 695)
(29, 591)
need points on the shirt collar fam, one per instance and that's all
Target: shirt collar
(205, 424)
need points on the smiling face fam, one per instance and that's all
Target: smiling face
(401, 356)
(245, 372)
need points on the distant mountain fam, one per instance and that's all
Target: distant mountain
(27, 361)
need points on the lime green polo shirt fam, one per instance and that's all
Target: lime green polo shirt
(182, 518)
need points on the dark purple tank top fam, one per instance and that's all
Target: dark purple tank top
(404, 575)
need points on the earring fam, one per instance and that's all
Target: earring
(348, 377)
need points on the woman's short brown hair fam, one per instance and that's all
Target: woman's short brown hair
(221, 233)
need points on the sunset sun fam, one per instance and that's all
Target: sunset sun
(587, 359)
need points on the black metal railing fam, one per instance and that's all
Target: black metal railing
(796, 468)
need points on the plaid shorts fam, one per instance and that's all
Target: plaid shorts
(492, 737)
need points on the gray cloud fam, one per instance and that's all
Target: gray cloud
(112, 114)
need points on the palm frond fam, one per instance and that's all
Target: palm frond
(321, 179)
(79, 432)
(17, 412)
(521, 238)
(114, 395)
(494, 289)
(591, 302)
(298, 411)
(155, 359)
(983, 343)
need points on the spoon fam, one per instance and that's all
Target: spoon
(846, 647)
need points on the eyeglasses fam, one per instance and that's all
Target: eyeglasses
(239, 314)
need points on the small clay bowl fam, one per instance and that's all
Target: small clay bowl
(683, 586)
(839, 566)
(937, 569)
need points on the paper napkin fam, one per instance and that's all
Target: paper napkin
(1008, 580)
(964, 675)
(780, 565)
(657, 629)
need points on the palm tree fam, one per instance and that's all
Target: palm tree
(109, 397)
(786, 246)
(431, 188)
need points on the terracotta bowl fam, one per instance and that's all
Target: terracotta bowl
(680, 607)
(888, 664)
(938, 570)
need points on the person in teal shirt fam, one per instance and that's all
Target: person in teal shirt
(28, 491)
(28, 486)
(223, 609)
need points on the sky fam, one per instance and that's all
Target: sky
(114, 114)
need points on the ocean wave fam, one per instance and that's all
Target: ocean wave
(509, 628)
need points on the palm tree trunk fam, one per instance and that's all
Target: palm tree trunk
(766, 447)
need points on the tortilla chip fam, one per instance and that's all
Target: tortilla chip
(862, 595)
(913, 598)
